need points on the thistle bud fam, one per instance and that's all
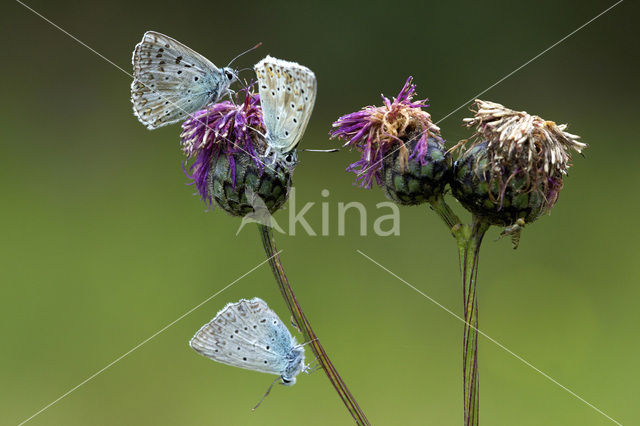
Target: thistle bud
(515, 165)
(401, 148)
(227, 143)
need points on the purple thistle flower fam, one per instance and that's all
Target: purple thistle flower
(380, 131)
(222, 129)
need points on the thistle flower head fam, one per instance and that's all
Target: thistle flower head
(383, 130)
(515, 165)
(222, 129)
(226, 140)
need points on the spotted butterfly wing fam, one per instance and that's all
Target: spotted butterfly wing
(172, 81)
(248, 334)
(287, 95)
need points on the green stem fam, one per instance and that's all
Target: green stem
(305, 328)
(469, 241)
(440, 206)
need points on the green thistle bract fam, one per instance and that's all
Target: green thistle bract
(414, 180)
(231, 189)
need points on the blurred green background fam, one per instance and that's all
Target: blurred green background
(103, 244)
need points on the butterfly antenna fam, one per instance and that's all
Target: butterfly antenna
(266, 393)
(321, 150)
(245, 52)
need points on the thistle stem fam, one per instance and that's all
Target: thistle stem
(469, 241)
(305, 328)
(442, 209)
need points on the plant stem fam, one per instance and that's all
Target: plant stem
(440, 206)
(469, 241)
(305, 328)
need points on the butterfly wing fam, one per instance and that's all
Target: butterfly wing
(246, 334)
(171, 81)
(287, 95)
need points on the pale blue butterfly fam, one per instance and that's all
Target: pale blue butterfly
(287, 96)
(248, 334)
(172, 81)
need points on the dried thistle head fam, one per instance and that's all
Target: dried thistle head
(515, 165)
(401, 147)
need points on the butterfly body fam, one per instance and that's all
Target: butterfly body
(172, 81)
(287, 96)
(249, 335)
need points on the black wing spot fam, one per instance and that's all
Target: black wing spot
(265, 361)
(264, 86)
(263, 320)
(302, 91)
(277, 117)
(244, 358)
(295, 120)
(195, 78)
(161, 62)
(179, 71)
(273, 93)
(159, 55)
(286, 133)
(178, 59)
(161, 50)
(293, 105)
(268, 347)
(167, 46)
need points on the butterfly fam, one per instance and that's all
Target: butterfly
(248, 334)
(172, 81)
(287, 96)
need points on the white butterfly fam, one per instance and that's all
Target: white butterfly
(172, 81)
(248, 334)
(287, 95)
